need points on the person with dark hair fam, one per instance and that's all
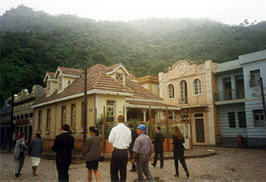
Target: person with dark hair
(120, 138)
(158, 147)
(92, 153)
(178, 140)
(35, 151)
(63, 144)
(19, 153)
(142, 153)
(133, 136)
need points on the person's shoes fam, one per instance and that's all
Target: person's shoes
(17, 175)
(176, 175)
(132, 170)
(161, 167)
(154, 165)
(187, 174)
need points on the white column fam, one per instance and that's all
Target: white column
(125, 114)
(144, 115)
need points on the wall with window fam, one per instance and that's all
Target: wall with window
(114, 106)
(232, 123)
(66, 112)
(119, 75)
(230, 85)
(253, 70)
(194, 76)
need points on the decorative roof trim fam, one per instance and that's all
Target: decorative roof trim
(116, 68)
(58, 70)
(153, 107)
(89, 92)
(145, 100)
(68, 75)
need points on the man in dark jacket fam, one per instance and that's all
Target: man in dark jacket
(63, 145)
(158, 147)
(133, 136)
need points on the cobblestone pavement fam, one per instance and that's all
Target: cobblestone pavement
(230, 164)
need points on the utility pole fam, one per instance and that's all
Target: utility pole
(11, 123)
(263, 97)
(85, 103)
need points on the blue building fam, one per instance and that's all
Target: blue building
(254, 68)
(238, 99)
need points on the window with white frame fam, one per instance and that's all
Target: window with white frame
(48, 119)
(183, 92)
(254, 78)
(110, 110)
(39, 120)
(119, 76)
(73, 116)
(171, 91)
(197, 86)
(63, 115)
(259, 118)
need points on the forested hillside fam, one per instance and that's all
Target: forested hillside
(33, 42)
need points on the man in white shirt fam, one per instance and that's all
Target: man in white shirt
(120, 138)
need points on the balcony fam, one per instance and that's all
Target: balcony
(230, 95)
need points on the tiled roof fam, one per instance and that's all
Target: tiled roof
(70, 71)
(140, 92)
(98, 79)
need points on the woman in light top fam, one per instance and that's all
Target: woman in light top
(35, 150)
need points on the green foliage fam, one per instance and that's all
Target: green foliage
(33, 42)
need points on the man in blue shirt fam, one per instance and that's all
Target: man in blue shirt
(142, 153)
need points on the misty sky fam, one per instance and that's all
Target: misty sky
(226, 11)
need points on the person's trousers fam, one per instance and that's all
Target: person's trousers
(119, 164)
(131, 157)
(179, 155)
(18, 165)
(62, 170)
(143, 167)
(156, 154)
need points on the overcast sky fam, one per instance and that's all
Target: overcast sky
(226, 11)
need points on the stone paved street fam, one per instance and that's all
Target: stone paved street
(230, 164)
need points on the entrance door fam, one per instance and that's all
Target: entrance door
(199, 126)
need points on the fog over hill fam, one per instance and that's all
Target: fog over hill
(33, 42)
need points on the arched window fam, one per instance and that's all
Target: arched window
(183, 91)
(197, 86)
(171, 91)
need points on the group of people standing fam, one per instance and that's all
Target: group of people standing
(35, 148)
(124, 139)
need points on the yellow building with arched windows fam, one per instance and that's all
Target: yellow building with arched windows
(191, 87)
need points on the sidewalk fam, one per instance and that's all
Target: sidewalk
(196, 152)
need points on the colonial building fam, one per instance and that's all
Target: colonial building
(191, 87)
(111, 91)
(22, 114)
(23, 117)
(239, 99)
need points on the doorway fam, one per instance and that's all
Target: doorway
(199, 127)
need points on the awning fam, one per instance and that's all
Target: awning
(154, 105)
